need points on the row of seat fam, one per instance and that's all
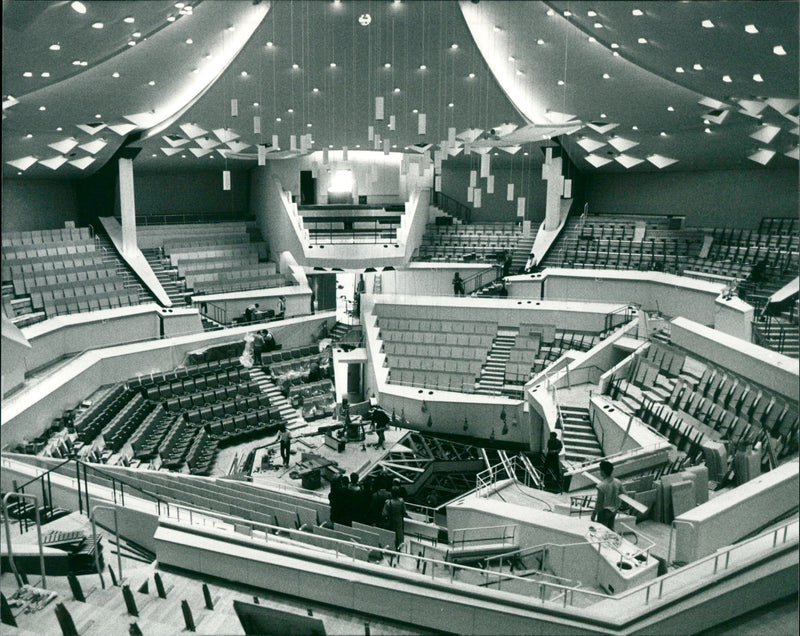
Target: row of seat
(239, 242)
(147, 438)
(201, 455)
(192, 370)
(263, 271)
(236, 429)
(297, 365)
(459, 382)
(41, 295)
(433, 325)
(288, 354)
(480, 343)
(119, 429)
(452, 352)
(309, 390)
(234, 251)
(175, 446)
(189, 384)
(319, 406)
(468, 367)
(66, 248)
(25, 283)
(222, 238)
(96, 302)
(235, 406)
(38, 237)
(482, 229)
(91, 422)
(240, 284)
(12, 269)
(212, 396)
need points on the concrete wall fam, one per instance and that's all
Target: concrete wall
(708, 198)
(431, 278)
(191, 192)
(38, 204)
(12, 363)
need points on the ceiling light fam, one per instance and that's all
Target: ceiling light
(520, 72)
(591, 14)
(415, 111)
(670, 109)
(603, 115)
(751, 28)
(397, 90)
(707, 24)
(561, 82)
(706, 122)
(114, 74)
(290, 110)
(171, 18)
(297, 66)
(615, 53)
(315, 89)
(525, 153)
(189, 41)
(46, 74)
(592, 39)
(454, 46)
(183, 156)
(450, 105)
(471, 75)
(614, 45)
(180, 5)
(59, 129)
(634, 127)
(130, 19)
(308, 125)
(27, 74)
(387, 65)
(208, 56)
(597, 25)
(663, 134)
(697, 67)
(278, 119)
(28, 136)
(151, 83)
(642, 40)
(42, 108)
(97, 25)
(231, 28)
(550, 12)
(727, 79)
(707, 131)
(540, 41)
(269, 45)
(567, 14)
(333, 64)
(78, 7)
(244, 73)
(606, 76)
(195, 70)
(422, 67)
(779, 50)
(255, 104)
(679, 69)
(55, 47)
(132, 43)
(98, 116)
(757, 78)
(497, 28)
(637, 12)
(358, 145)
(155, 155)
(84, 63)
(136, 34)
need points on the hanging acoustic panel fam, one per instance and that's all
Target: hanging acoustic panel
(256, 125)
(421, 124)
(589, 144)
(170, 151)
(392, 122)
(293, 142)
(597, 160)
(510, 192)
(628, 161)
(262, 155)
(226, 179)
(567, 192)
(344, 153)
(490, 184)
(762, 156)
(659, 161)
(234, 108)
(225, 134)
(175, 140)
(521, 206)
(91, 128)
(621, 144)
(325, 157)
(766, 133)
(192, 130)
(275, 143)
(121, 129)
(237, 146)
(54, 163)
(386, 146)
(476, 196)
(485, 160)
(23, 163)
(469, 194)
(370, 133)
(206, 142)
(65, 145)
(94, 146)
(473, 178)
(451, 136)
(199, 152)
(82, 163)
(379, 108)
(437, 183)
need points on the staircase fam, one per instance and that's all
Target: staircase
(276, 398)
(167, 276)
(519, 257)
(580, 442)
(779, 334)
(112, 257)
(339, 331)
(493, 372)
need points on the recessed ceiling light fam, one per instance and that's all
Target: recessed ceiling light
(602, 115)
(256, 104)
(397, 90)
(615, 53)
(59, 129)
(670, 109)
(592, 39)
(422, 67)
(295, 66)
(155, 155)
(244, 73)
(315, 89)
(550, 12)
(46, 74)
(707, 131)
(597, 25)
(642, 40)
(561, 82)
(269, 45)
(27, 74)
(136, 34)
(567, 14)
(180, 5)
(591, 14)
(679, 69)
(394, 145)
(779, 50)
(387, 65)
(727, 79)
(278, 119)
(525, 153)
(606, 76)
(330, 145)
(183, 156)
(195, 70)
(707, 24)
(98, 116)
(290, 110)
(706, 122)
(663, 134)
(42, 108)
(189, 41)
(454, 46)
(757, 78)
(208, 56)
(308, 125)
(97, 25)
(614, 45)
(751, 28)
(114, 74)
(634, 127)
(28, 136)
(637, 12)
(415, 111)
(132, 43)
(540, 41)
(511, 58)
(78, 7)
(471, 75)
(697, 67)
(497, 28)
(55, 47)
(333, 64)
(170, 18)
(450, 105)
(519, 72)
(151, 83)
(130, 19)
(231, 28)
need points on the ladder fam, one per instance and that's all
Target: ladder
(376, 284)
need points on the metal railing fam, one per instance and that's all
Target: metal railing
(580, 467)
(481, 279)
(379, 233)
(451, 206)
(503, 534)
(182, 218)
(511, 468)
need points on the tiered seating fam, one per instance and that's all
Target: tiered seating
(317, 399)
(291, 364)
(147, 438)
(290, 369)
(92, 421)
(444, 354)
(521, 358)
(117, 431)
(479, 241)
(175, 445)
(201, 455)
(564, 341)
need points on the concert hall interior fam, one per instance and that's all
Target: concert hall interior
(400, 316)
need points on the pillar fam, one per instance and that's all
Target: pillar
(551, 172)
(127, 205)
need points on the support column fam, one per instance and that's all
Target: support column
(127, 205)
(551, 172)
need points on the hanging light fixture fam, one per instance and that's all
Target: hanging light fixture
(430, 422)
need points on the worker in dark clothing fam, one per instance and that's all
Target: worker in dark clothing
(380, 420)
(552, 465)
(249, 313)
(285, 438)
(269, 340)
(458, 285)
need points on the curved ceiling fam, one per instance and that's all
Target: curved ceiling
(505, 67)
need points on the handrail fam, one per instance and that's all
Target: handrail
(462, 532)
(585, 465)
(39, 476)
(451, 206)
(479, 279)
(38, 533)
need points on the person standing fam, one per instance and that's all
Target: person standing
(608, 492)
(285, 438)
(249, 313)
(381, 421)
(281, 307)
(394, 511)
(552, 465)
(458, 285)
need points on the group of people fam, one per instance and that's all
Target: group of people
(377, 500)
(252, 312)
(263, 342)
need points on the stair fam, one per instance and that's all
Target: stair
(111, 257)
(276, 398)
(339, 331)
(520, 254)
(580, 442)
(493, 372)
(166, 275)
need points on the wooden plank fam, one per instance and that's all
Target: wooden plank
(635, 505)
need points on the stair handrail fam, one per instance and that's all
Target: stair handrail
(451, 206)
(479, 279)
(588, 464)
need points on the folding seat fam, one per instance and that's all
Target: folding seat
(176, 386)
(252, 403)
(251, 419)
(229, 408)
(184, 402)
(217, 411)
